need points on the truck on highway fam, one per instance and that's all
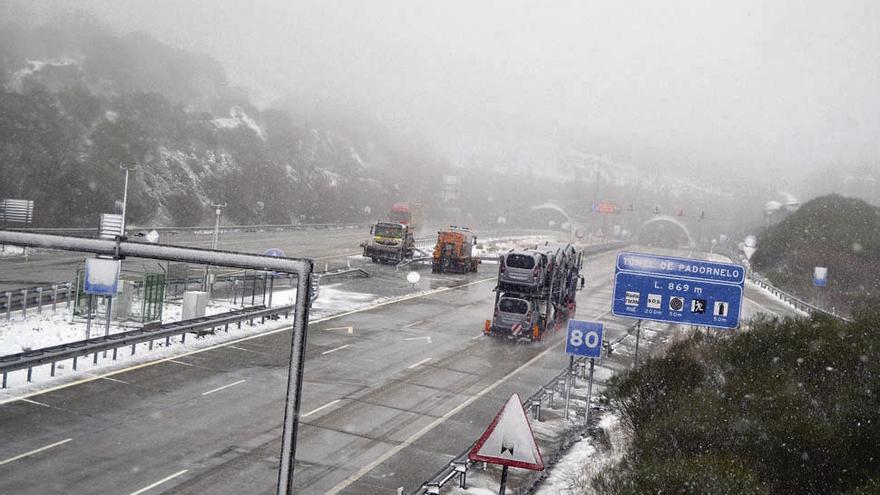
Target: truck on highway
(454, 251)
(410, 214)
(535, 291)
(390, 242)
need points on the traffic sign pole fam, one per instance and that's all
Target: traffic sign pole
(638, 337)
(568, 384)
(503, 486)
(589, 393)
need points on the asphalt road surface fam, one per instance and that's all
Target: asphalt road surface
(391, 394)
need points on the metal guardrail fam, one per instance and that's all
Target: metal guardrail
(28, 297)
(207, 228)
(75, 350)
(794, 300)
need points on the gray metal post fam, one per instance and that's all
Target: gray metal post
(503, 486)
(294, 380)
(638, 336)
(589, 393)
(24, 304)
(107, 321)
(271, 288)
(54, 298)
(68, 295)
(8, 306)
(568, 381)
(39, 300)
(89, 318)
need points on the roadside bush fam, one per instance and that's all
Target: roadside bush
(789, 407)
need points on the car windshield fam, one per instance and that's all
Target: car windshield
(388, 230)
(513, 306)
(523, 261)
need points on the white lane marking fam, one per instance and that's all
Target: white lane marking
(113, 380)
(415, 436)
(325, 406)
(170, 361)
(423, 361)
(244, 349)
(35, 451)
(163, 480)
(426, 338)
(284, 328)
(475, 338)
(224, 387)
(413, 324)
(335, 349)
(347, 329)
(37, 403)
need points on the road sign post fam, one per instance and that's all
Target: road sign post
(638, 337)
(584, 338)
(678, 290)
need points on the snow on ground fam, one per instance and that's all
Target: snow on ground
(11, 250)
(48, 329)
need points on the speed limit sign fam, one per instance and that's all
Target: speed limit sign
(584, 338)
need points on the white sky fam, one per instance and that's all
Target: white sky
(744, 84)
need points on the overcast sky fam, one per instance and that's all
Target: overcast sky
(742, 84)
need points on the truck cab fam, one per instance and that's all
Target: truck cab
(390, 242)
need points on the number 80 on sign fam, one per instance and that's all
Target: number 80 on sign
(584, 338)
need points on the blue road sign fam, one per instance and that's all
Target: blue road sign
(678, 290)
(101, 277)
(584, 338)
(820, 276)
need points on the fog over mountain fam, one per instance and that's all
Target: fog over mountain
(687, 85)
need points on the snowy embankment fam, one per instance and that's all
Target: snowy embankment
(44, 330)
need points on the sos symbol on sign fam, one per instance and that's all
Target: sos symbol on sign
(584, 338)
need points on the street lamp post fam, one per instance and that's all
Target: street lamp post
(124, 197)
(215, 239)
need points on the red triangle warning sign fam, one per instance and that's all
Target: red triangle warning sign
(509, 440)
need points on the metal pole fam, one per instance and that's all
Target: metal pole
(271, 288)
(294, 381)
(589, 393)
(638, 336)
(8, 306)
(124, 199)
(568, 385)
(24, 304)
(503, 486)
(39, 300)
(89, 318)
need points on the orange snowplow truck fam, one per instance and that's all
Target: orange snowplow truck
(454, 252)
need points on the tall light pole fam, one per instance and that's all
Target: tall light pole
(218, 210)
(124, 197)
(215, 239)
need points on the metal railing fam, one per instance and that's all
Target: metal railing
(29, 297)
(148, 334)
(795, 301)
(206, 228)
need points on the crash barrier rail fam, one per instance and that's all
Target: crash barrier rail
(75, 350)
(207, 229)
(28, 297)
(553, 393)
(794, 300)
